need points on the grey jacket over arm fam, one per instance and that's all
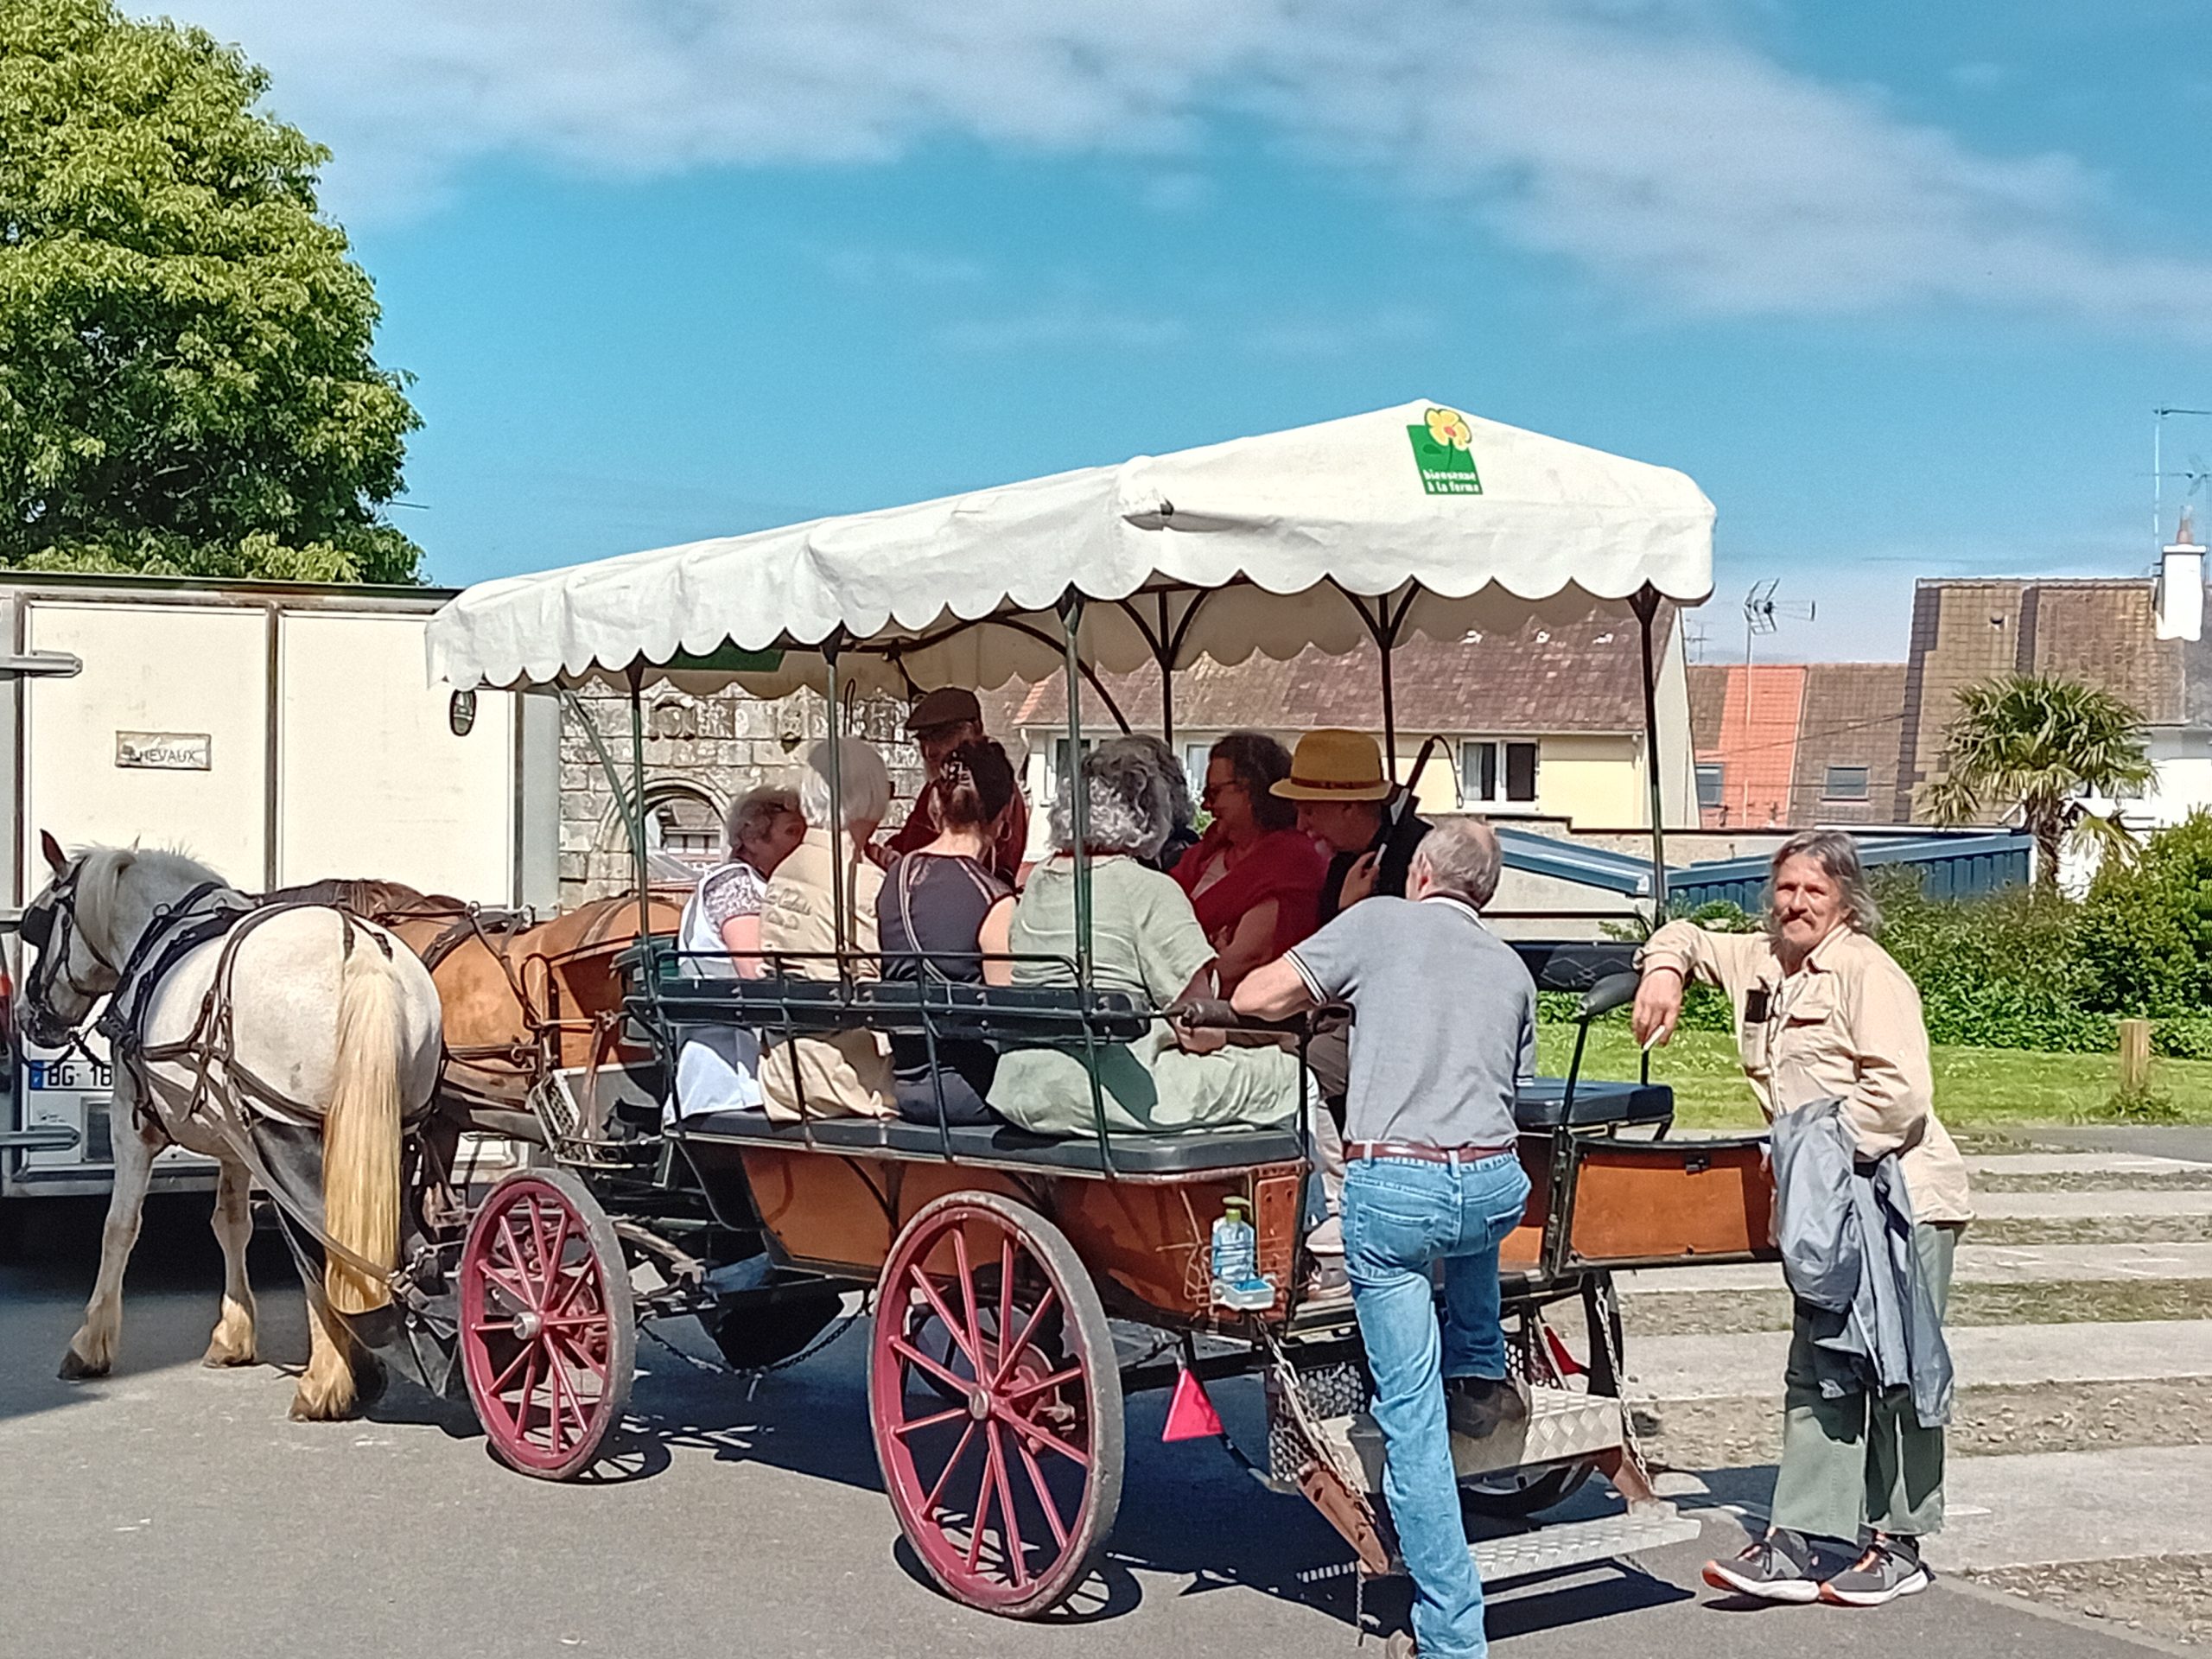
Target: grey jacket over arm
(1846, 1233)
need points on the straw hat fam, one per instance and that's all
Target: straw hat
(1335, 766)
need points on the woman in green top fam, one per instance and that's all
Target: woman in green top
(1145, 939)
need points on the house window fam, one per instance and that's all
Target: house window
(1712, 783)
(1492, 771)
(1050, 789)
(1194, 765)
(1844, 784)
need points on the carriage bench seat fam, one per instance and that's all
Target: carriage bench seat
(1133, 1154)
(1028, 1014)
(1541, 1104)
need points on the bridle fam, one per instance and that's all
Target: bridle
(38, 928)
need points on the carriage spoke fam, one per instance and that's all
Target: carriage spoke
(521, 1286)
(985, 1490)
(968, 1303)
(1045, 1500)
(1073, 1373)
(1009, 1528)
(945, 1475)
(951, 1324)
(1006, 1294)
(1007, 1356)
(918, 1424)
(913, 1356)
(529, 1393)
(499, 1382)
(1046, 1437)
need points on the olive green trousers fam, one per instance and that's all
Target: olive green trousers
(1862, 1461)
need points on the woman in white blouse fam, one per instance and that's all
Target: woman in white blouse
(719, 1066)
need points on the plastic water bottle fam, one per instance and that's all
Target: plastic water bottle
(1235, 1247)
(1236, 1281)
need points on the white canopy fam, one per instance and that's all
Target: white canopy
(1441, 522)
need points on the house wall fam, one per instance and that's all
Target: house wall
(1592, 781)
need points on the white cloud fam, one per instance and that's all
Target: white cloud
(1643, 143)
(884, 267)
(1069, 321)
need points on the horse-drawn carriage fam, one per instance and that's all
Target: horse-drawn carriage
(1022, 1286)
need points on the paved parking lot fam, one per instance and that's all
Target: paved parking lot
(175, 1510)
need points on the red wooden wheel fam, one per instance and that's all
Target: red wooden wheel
(548, 1337)
(1002, 1459)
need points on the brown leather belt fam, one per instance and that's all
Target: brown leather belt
(1357, 1150)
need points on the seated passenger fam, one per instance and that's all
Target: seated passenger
(1181, 836)
(847, 1073)
(941, 912)
(1144, 939)
(1255, 881)
(718, 1067)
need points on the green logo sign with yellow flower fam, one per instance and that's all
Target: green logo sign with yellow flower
(1442, 448)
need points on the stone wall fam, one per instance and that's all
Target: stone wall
(701, 752)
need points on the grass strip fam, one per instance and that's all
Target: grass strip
(1727, 1313)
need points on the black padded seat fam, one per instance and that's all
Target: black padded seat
(1539, 1102)
(1009, 1014)
(1133, 1154)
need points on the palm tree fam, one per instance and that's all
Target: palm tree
(2034, 746)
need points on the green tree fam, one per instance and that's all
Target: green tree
(185, 378)
(2146, 926)
(2034, 746)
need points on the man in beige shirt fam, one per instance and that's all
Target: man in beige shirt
(1824, 1012)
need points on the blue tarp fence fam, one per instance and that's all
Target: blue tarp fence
(1951, 866)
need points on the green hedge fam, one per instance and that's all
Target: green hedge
(2023, 970)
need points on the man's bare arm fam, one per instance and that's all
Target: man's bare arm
(1274, 990)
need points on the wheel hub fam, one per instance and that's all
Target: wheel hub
(979, 1405)
(529, 1325)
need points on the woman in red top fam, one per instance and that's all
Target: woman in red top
(1255, 881)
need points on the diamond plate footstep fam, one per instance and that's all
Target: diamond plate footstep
(1563, 1427)
(1572, 1543)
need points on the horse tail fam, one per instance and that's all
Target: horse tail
(361, 1130)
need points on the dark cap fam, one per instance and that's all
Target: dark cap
(949, 705)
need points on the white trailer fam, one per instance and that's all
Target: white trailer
(281, 733)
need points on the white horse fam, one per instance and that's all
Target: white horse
(329, 1013)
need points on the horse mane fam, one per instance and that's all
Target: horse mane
(100, 873)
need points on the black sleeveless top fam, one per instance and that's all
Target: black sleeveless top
(932, 906)
(931, 911)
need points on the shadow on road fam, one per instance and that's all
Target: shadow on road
(171, 1294)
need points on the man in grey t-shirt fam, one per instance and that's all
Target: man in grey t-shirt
(1444, 1025)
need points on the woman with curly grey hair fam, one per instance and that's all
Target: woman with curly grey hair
(1146, 939)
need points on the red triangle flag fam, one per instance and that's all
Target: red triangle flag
(1190, 1415)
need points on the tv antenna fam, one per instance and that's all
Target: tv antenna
(1765, 613)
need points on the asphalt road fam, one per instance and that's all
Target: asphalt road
(175, 1512)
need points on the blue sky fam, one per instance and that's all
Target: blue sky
(1898, 284)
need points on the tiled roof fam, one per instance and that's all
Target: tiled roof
(1586, 675)
(1964, 632)
(1854, 715)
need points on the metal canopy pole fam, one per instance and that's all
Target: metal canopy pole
(1164, 651)
(640, 870)
(830, 648)
(1078, 796)
(1645, 603)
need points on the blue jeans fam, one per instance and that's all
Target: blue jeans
(1400, 1218)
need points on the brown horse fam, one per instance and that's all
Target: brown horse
(519, 1001)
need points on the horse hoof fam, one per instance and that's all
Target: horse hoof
(222, 1359)
(75, 1368)
(320, 1408)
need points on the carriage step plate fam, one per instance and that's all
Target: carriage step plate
(1562, 1426)
(1575, 1543)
